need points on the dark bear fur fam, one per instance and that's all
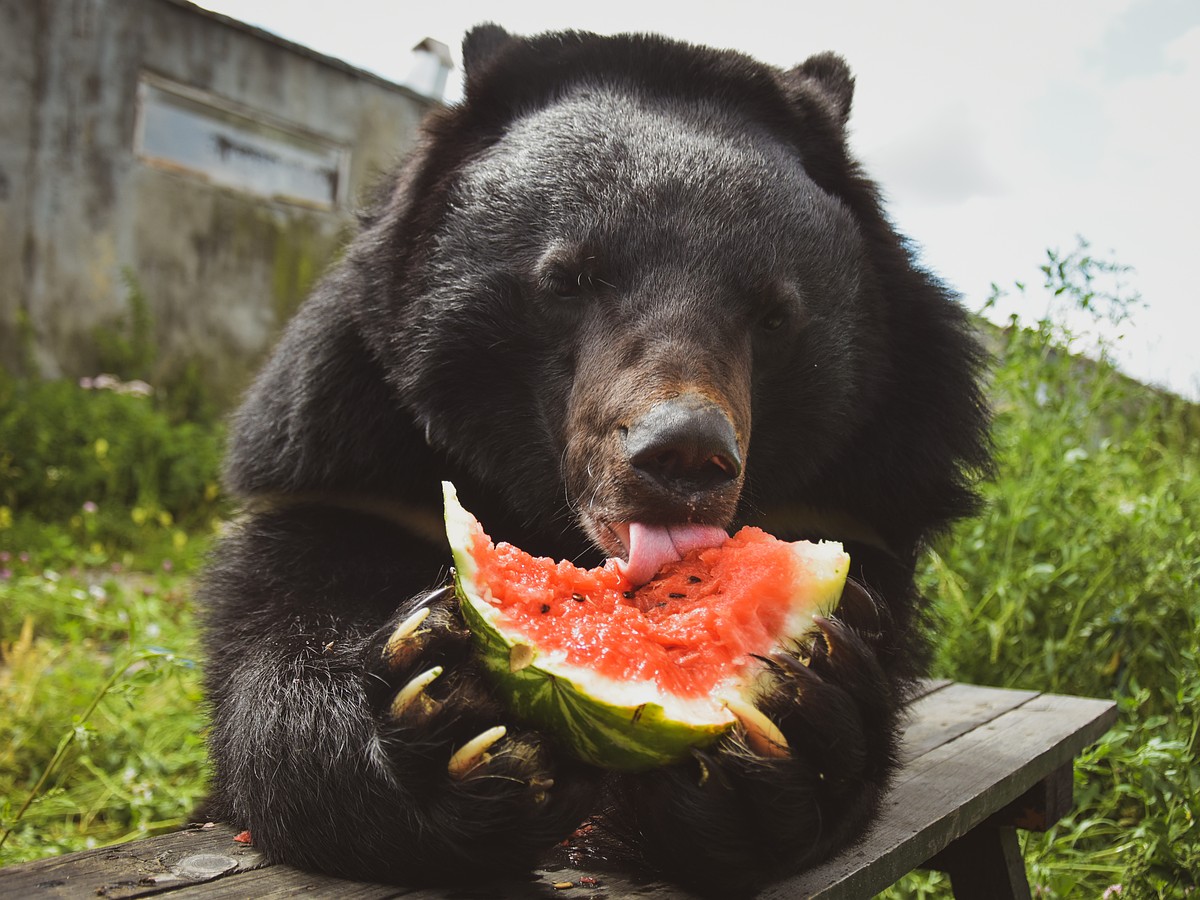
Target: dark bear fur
(602, 226)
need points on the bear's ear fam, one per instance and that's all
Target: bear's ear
(481, 44)
(827, 75)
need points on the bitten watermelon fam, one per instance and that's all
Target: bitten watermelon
(633, 678)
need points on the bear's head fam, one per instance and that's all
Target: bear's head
(633, 283)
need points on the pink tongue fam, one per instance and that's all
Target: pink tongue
(653, 546)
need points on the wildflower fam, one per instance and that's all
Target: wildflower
(1111, 891)
(5, 574)
(5, 556)
(90, 507)
(167, 565)
(86, 383)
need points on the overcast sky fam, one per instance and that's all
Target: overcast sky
(997, 130)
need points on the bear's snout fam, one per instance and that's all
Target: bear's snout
(685, 445)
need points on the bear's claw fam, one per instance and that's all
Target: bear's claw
(474, 753)
(413, 698)
(431, 628)
(762, 735)
(404, 631)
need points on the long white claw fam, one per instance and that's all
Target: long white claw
(408, 694)
(474, 752)
(405, 630)
(763, 736)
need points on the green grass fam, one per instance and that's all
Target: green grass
(106, 508)
(1081, 576)
(101, 729)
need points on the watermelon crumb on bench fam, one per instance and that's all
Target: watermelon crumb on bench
(633, 678)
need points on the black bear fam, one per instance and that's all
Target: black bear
(625, 282)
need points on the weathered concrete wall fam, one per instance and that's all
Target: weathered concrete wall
(81, 213)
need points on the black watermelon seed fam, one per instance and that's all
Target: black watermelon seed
(693, 579)
(578, 598)
(676, 596)
(545, 607)
(628, 595)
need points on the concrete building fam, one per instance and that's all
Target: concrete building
(159, 158)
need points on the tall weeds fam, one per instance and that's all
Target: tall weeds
(1083, 577)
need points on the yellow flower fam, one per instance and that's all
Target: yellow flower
(101, 446)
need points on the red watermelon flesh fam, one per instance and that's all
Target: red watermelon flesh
(697, 623)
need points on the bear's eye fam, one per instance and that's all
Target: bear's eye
(773, 320)
(563, 282)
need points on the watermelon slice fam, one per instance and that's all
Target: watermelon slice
(633, 678)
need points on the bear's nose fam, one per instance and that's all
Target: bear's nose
(686, 445)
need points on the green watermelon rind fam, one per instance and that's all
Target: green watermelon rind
(628, 726)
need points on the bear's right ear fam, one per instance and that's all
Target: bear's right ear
(828, 75)
(482, 44)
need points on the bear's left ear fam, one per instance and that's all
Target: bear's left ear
(482, 44)
(828, 76)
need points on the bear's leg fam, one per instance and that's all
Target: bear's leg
(351, 732)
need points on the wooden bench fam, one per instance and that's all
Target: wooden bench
(979, 763)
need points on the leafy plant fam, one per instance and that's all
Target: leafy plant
(106, 506)
(102, 460)
(101, 736)
(1081, 577)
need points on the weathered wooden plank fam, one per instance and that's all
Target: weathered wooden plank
(283, 881)
(560, 882)
(944, 793)
(949, 713)
(139, 869)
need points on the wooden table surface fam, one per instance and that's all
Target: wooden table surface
(973, 756)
